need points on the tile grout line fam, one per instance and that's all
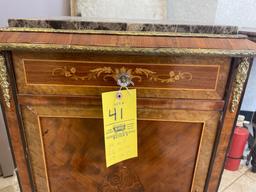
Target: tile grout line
(251, 177)
(233, 181)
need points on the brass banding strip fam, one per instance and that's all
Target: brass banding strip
(126, 50)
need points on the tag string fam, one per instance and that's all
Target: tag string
(119, 92)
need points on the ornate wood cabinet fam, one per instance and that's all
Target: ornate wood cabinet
(188, 94)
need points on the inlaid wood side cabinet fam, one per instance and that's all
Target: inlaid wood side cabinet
(188, 93)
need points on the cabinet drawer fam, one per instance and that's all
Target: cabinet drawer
(81, 74)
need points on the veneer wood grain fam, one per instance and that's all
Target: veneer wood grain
(109, 40)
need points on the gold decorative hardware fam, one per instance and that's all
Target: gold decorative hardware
(108, 72)
(4, 82)
(124, 80)
(240, 79)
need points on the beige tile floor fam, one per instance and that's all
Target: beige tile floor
(9, 184)
(242, 180)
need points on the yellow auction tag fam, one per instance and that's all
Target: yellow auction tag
(120, 125)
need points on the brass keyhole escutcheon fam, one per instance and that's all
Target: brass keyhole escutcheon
(124, 80)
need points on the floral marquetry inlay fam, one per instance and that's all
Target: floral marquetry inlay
(113, 73)
(121, 179)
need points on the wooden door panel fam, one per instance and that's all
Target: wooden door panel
(74, 148)
(66, 146)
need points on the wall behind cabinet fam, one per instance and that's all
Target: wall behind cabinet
(32, 9)
(249, 102)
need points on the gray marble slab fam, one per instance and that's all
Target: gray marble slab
(122, 25)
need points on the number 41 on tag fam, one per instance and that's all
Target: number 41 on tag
(120, 125)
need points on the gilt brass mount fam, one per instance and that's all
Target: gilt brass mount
(240, 79)
(5, 86)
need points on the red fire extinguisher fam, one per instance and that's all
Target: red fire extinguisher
(236, 150)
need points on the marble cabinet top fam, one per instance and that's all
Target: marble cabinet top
(76, 23)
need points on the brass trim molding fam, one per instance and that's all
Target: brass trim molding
(240, 79)
(108, 72)
(126, 50)
(5, 86)
(130, 33)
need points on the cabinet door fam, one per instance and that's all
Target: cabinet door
(66, 146)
